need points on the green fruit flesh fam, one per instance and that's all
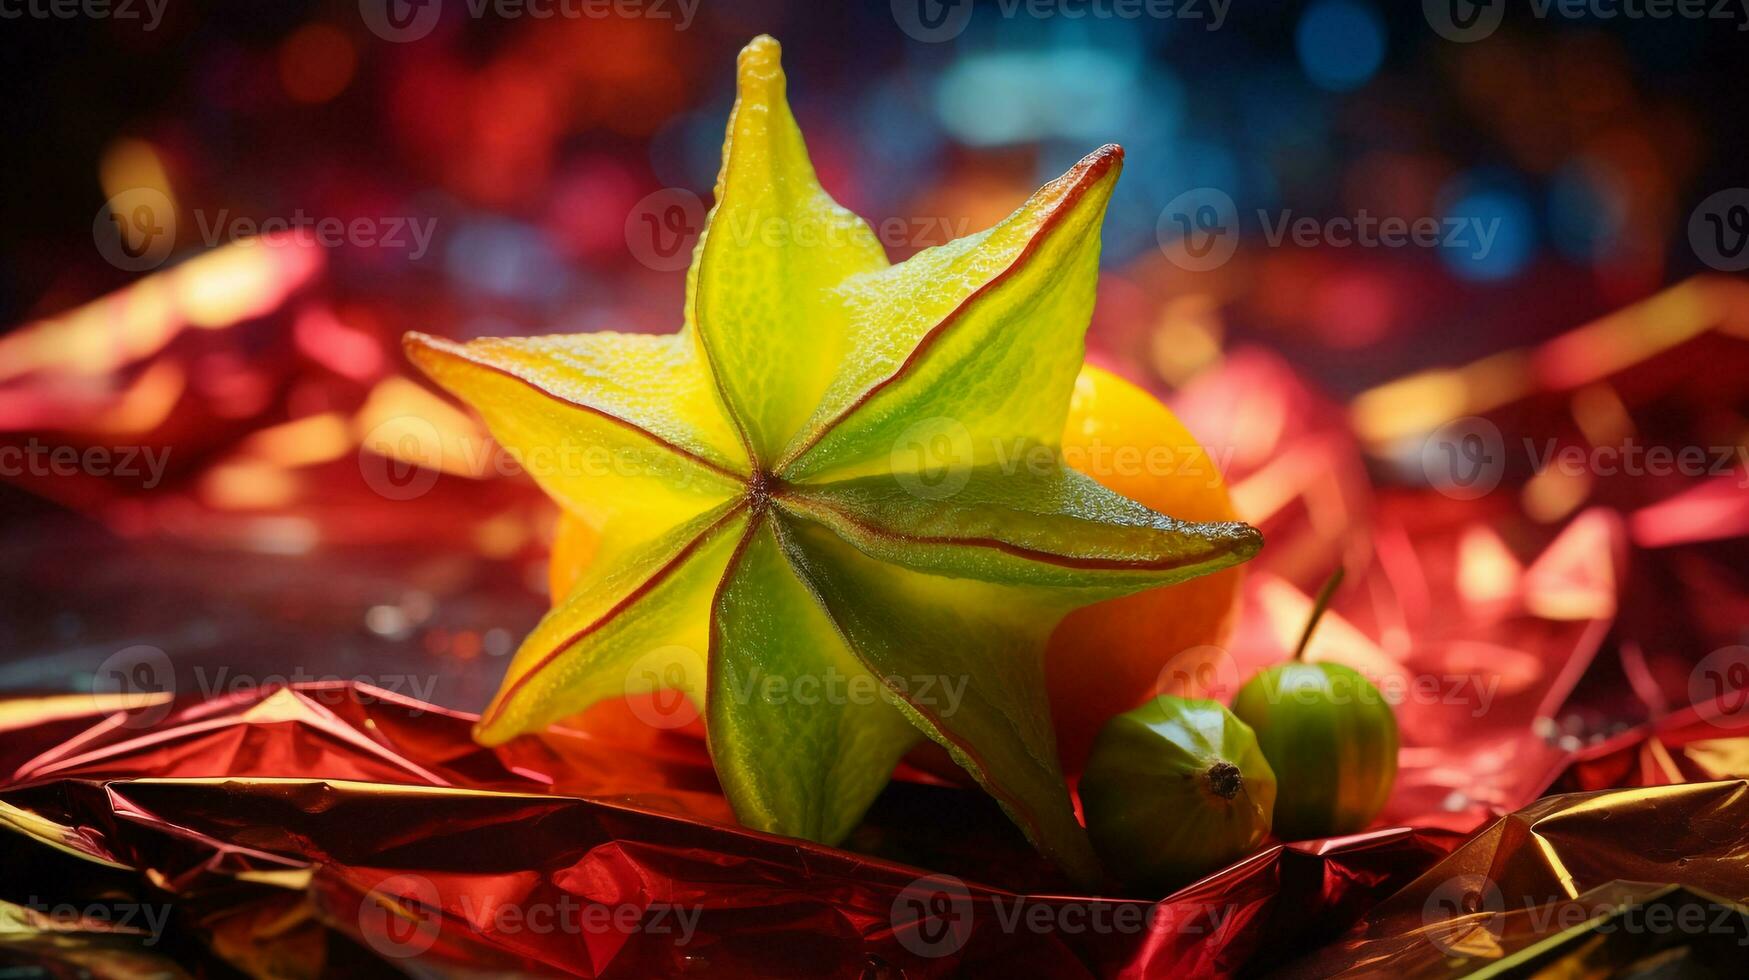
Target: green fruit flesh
(1331, 739)
(1174, 790)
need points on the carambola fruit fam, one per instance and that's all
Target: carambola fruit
(841, 474)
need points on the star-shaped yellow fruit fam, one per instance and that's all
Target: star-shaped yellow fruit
(830, 509)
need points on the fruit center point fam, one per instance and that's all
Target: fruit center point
(1224, 780)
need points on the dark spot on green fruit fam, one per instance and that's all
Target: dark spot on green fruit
(1224, 780)
(1175, 789)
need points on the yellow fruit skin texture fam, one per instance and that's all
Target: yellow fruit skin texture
(1158, 819)
(1332, 739)
(1106, 658)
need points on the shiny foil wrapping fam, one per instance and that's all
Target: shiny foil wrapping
(1565, 656)
(292, 830)
(313, 828)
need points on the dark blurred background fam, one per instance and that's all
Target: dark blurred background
(529, 139)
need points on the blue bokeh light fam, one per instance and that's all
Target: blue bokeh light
(1081, 93)
(1341, 44)
(1490, 232)
(506, 258)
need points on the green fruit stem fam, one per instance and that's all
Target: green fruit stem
(1325, 594)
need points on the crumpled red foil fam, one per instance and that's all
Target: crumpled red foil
(296, 830)
(357, 823)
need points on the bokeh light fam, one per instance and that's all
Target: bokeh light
(317, 63)
(1341, 43)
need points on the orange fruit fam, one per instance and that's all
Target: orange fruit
(1103, 659)
(1106, 658)
(573, 546)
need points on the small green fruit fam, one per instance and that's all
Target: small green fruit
(1332, 741)
(1175, 789)
(1329, 734)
